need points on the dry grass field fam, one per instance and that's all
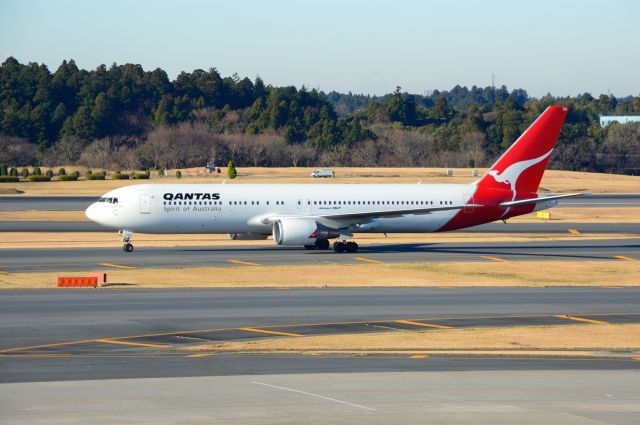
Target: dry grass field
(463, 274)
(569, 340)
(553, 181)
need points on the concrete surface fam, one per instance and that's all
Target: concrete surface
(571, 397)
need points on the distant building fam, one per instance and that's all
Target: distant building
(605, 120)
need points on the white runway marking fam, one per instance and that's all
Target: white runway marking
(313, 395)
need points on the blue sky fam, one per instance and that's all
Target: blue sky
(564, 47)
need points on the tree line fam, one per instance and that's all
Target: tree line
(125, 117)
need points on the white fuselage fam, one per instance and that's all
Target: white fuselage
(238, 208)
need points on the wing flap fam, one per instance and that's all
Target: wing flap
(395, 213)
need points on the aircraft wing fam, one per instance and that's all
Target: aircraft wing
(342, 220)
(538, 200)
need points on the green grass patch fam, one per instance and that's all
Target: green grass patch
(95, 177)
(68, 178)
(38, 178)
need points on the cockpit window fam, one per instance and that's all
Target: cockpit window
(109, 200)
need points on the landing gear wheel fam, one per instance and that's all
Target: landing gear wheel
(352, 247)
(322, 244)
(309, 247)
(126, 240)
(339, 247)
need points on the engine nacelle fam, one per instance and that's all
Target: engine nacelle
(300, 231)
(247, 236)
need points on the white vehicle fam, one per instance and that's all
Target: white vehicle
(323, 173)
(310, 215)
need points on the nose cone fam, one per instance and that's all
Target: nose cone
(92, 213)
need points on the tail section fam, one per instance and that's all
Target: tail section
(521, 167)
(515, 176)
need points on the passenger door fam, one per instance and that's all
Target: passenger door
(145, 203)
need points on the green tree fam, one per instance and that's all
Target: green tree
(231, 170)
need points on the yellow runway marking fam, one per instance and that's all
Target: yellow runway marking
(367, 260)
(35, 355)
(580, 319)
(418, 356)
(426, 325)
(246, 263)
(487, 257)
(624, 257)
(55, 344)
(117, 266)
(263, 331)
(200, 355)
(574, 231)
(136, 344)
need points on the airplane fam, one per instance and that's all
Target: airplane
(310, 215)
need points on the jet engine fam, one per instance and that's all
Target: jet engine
(300, 231)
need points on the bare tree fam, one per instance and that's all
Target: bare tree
(472, 148)
(97, 155)
(16, 151)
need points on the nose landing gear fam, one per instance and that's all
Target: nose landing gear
(127, 246)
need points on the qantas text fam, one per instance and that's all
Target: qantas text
(191, 196)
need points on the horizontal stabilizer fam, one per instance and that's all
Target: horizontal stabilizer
(538, 200)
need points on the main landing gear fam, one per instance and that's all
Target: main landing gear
(127, 246)
(344, 246)
(338, 246)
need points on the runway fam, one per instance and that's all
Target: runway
(150, 383)
(67, 259)
(78, 203)
(49, 334)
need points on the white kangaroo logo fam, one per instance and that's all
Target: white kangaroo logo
(511, 174)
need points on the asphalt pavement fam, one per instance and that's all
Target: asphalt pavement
(99, 334)
(82, 259)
